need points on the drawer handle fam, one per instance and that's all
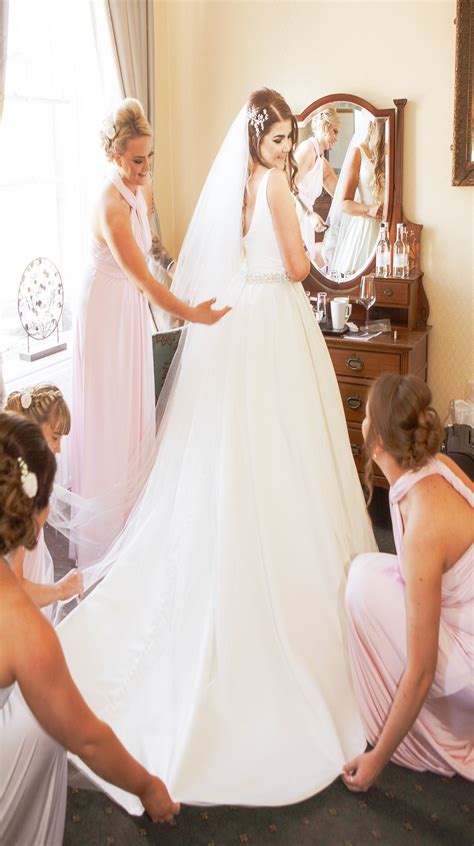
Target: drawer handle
(388, 292)
(355, 450)
(354, 402)
(354, 363)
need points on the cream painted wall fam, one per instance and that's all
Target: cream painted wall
(210, 55)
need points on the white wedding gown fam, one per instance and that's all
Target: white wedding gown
(215, 647)
(357, 235)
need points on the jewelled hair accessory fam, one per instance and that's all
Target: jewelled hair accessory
(29, 481)
(257, 119)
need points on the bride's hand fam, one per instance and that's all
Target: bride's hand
(204, 313)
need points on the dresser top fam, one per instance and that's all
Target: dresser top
(406, 339)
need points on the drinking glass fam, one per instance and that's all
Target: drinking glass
(321, 305)
(367, 297)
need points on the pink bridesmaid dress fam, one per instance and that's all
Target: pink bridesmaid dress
(113, 387)
(441, 739)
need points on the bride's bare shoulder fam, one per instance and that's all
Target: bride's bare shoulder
(278, 189)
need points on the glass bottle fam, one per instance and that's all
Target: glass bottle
(406, 266)
(321, 305)
(388, 251)
(398, 253)
(380, 254)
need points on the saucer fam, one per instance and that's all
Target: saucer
(328, 330)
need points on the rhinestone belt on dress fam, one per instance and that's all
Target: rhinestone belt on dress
(276, 276)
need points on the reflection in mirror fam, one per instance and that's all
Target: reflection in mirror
(342, 180)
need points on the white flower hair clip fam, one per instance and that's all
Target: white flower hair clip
(29, 482)
(110, 129)
(257, 119)
(26, 398)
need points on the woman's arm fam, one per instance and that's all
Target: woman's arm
(72, 584)
(286, 225)
(424, 556)
(36, 662)
(114, 222)
(349, 187)
(305, 157)
(329, 178)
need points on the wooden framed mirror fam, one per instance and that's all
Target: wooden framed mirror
(463, 135)
(357, 141)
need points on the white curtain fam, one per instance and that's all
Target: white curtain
(132, 31)
(3, 48)
(131, 28)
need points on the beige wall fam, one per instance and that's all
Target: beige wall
(210, 55)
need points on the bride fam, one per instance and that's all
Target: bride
(215, 646)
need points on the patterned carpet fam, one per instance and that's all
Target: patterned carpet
(403, 809)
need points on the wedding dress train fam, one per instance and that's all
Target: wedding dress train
(215, 646)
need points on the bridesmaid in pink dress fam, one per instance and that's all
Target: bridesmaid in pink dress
(113, 385)
(34, 568)
(411, 615)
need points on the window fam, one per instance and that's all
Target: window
(60, 83)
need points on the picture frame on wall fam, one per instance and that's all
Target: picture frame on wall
(463, 131)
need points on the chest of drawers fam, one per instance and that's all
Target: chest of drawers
(358, 363)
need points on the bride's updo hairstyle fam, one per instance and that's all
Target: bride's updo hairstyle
(402, 420)
(127, 121)
(265, 108)
(27, 469)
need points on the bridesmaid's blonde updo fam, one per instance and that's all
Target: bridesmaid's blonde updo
(325, 115)
(402, 420)
(42, 404)
(127, 121)
(27, 469)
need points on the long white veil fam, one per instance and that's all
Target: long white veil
(210, 264)
(210, 261)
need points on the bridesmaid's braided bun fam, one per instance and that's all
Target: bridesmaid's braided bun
(42, 404)
(402, 420)
(27, 469)
(127, 121)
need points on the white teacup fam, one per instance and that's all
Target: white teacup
(340, 312)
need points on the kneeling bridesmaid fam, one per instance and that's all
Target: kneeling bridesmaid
(411, 615)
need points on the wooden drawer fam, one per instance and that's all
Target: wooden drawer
(353, 399)
(357, 442)
(396, 293)
(361, 362)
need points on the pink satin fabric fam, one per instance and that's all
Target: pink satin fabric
(441, 739)
(113, 385)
